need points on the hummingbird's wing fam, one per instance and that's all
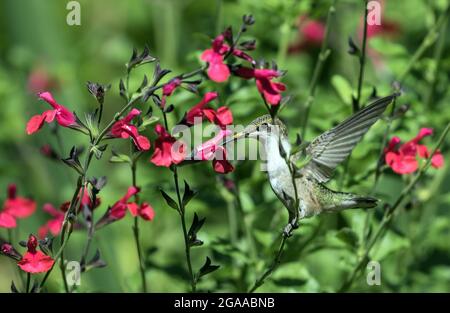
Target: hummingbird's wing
(332, 147)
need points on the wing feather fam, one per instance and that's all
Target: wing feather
(328, 150)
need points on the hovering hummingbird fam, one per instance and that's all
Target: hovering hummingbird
(309, 196)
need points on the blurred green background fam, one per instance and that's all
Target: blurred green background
(39, 50)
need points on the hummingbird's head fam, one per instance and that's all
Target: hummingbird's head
(261, 128)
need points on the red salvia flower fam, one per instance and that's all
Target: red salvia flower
(169, 88)
(221, 117)
(16, 206)
(311, 34)
(40, 79)
(55, 224)
(403, 159)
(119, 209)
(63, 116)
(218, 71)
(7, 220)
(123, 129)
(197, 111)
(212, 150)
(35, 261)
(144, 210)
(270, 90)
(168, 150)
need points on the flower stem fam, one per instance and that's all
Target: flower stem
(136, 230)
(437, 59)
(389, 214)
(276, 262)
(63, 272)
(429, 39)
(323, 56)
(28, 283)
(362, 62)
(185, 233)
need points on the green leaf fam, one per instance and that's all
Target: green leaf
(388, 47)
(147, 121)
(170, 202)
(343, 88)
(73, 161)
(188, 194)
(119, 158)
(98, 151)
(348, 236)
(193, 230)
(207, 268)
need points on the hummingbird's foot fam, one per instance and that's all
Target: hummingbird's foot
(290, 227)
(287, 231)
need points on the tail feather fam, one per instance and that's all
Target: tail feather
(359, 202)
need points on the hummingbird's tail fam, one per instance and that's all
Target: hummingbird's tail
(344, 201)
(360, 202)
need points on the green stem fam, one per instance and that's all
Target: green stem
(437, 58)
(323, 56)
(283, 42)
(362, 62)
(136, 231)
(247, 227)
(387, 219)
(185, 232)
(429, 39)
(276, 262)
(28, 283)
(63, 272)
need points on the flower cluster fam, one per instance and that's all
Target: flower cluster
(218, 71)
(403, 158)
(33, 261)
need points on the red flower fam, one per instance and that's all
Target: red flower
(119, 209)
(197, 111)
(35, 261)
(55, 224)
(403, 160)
(7, 220)
(145, 210)
(63, 116)
(168, 150)
(18, 206)
(168, 89)
(311, 33)
(212, 150)
(123, 129)
(39, 79)
(270, 90)
(218, 71)
(222, 116)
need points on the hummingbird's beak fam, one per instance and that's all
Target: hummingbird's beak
(236, 137)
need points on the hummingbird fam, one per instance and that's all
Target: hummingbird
(302, 190)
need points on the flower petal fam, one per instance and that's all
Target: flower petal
(36, 262)
(7, 220)
(146, 211)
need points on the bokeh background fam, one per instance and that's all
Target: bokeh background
(39, 51)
